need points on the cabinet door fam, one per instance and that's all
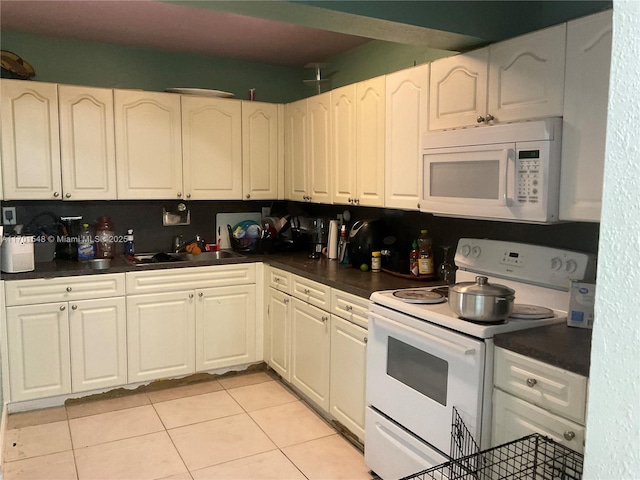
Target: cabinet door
(87, 143)
(343, 138)
(370, 140)
(406, 120)
(279, 332)
(30, 140)
(319, 108)
(39, 362)
(160, 335)
(148, 145)
(212, 148)
(225, 327)
(262, 151)
(310, 349)
(348, 371)
(526, 76)
(514, 418)
(98, 336)
(586, 94)
(458, 90)
(296, 151)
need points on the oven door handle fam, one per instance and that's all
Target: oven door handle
(462, 349)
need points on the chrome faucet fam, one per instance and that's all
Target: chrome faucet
(178, 244)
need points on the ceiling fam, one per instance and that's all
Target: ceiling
(271, 32)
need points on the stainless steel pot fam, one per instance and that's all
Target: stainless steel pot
(480, 301)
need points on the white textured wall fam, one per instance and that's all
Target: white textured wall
(613, 417)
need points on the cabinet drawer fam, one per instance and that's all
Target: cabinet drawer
(175, 279)
(350, 307)
(280, 280)
(513, 418)
(62, 289)
(549, 387)
(311, 292)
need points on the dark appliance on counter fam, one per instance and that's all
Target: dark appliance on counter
(67, 247)
(294, 236)
(365, 237)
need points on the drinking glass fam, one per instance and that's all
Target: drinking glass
(447, 269)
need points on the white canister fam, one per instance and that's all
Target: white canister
(332, 243)
(17, 254)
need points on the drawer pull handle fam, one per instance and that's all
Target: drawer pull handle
(324, 319)
(201, 294)
(531, 382)
(74, 307)
(191, 295)
(307, 291)
(569, 435)
(286, 301)
(348, 308)
(69, 289)
(276, 279)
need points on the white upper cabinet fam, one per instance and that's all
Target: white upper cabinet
(148, 145)
(319, 151)
(211, 148)
(406, 120)
(585, 112)
(87, 144)
(526, 76)
(30, 140)
(262, 151)
(458, 90)
(343, 133)
(296, 151)
(518, 79)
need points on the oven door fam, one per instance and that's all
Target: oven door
(417, 372)
(468, 181)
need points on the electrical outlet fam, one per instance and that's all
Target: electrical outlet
(8, 215)
(266, 211)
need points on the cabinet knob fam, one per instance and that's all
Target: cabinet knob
(531, 382)
(179, 194)
(325, 319)
(350, 200)
(356, 201)
(188, 195)
(67, 195)
(201, 294)
(569, 435)
(74, 307)
(62, 308)
(365, 340)
(418, 205)
(191, 295)
(307, 291)
(56, 194)
(286, 301)
(69, 289)
(348, 308)
(490, 118)
(248, 196)
(276, 279)
(480, 119)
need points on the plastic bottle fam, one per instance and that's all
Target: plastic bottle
(376, 261)
(104, 238)
(128, 246)
(86, 249)
(414, 257)
(343, 255)
(425, 264)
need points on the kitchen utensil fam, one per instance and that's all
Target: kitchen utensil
(480, 301)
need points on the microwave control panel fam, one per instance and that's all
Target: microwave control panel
(528, 178)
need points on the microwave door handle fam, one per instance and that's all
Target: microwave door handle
(461, 349)
(510, 158)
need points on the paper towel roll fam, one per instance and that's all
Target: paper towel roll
(334, 227)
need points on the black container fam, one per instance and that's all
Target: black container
(365, 237)
(67, 247)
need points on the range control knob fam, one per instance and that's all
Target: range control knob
(465, 250)
(571, 266)
(475, 251)
(556, 263)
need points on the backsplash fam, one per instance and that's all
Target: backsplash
(145, 217)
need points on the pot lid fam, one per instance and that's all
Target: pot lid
(482, 287)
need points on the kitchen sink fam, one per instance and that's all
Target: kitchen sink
(144, 259)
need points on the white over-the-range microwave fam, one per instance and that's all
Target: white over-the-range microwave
(507, 172)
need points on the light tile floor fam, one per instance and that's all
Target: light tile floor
(242, 427)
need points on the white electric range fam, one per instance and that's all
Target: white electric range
(423, 360)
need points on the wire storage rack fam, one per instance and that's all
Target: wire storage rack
(533, 457)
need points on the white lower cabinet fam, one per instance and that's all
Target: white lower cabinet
(98, 339)
(160, 335)
(278, 332)
(225, 326)
(348, 362)
(38, 357)
(310, 351)
(534, 397)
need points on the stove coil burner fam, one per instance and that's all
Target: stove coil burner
(418, 295)
(444, 291)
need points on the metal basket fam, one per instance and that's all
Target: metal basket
(534, 457)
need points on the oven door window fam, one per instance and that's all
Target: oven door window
(417, 369)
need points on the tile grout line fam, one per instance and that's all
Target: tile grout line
(166, 430)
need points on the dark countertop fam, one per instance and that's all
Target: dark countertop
(342, 277)
(558, 345)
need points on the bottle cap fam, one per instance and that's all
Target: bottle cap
(415, 244)
(375, 254)
(130, 231)
(423, 231)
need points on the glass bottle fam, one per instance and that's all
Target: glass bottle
(425, 264)
(414, 256)
(105, 247)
